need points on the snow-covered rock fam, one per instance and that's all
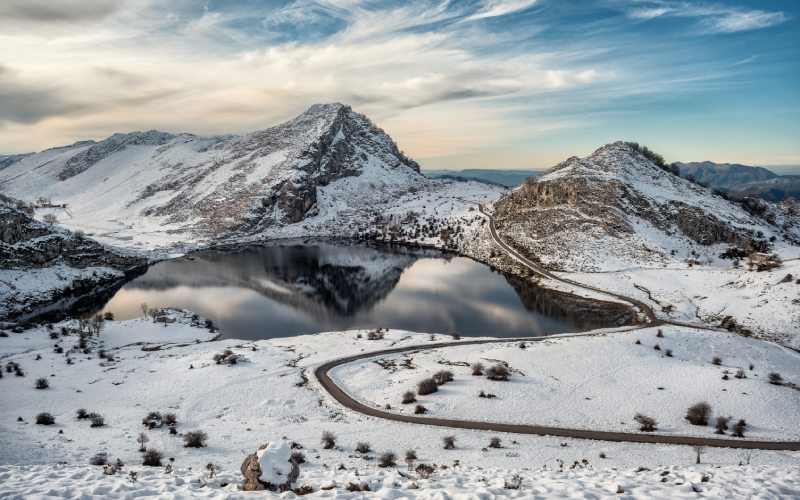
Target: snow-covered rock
(269, 468)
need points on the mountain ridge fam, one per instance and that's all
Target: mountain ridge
(616, 208)
(211, 187)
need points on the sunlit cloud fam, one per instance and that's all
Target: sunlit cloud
(451, 81)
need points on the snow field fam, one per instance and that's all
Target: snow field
(598, 382)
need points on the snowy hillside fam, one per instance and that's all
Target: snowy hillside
(42, 264)
(616, 209)
(270, 395)
(155, 189)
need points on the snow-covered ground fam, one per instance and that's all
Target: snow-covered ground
(597, 382)
(271, 395)
(453, 482)
(758, 300)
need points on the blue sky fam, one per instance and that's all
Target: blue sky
(504, 83)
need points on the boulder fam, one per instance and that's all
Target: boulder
(270, 468)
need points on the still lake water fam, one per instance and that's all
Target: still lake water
(297, 287)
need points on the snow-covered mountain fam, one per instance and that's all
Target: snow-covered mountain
(41, 264)
(616, 208)
(189, 188)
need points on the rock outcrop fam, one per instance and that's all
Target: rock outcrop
(270, 468)
(43, 264)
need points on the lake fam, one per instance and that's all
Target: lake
(297, 287)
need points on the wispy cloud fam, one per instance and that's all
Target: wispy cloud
(446, 78)
(712, 18)
(495, 8)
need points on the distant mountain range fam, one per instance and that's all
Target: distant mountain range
(742, 180)
(500, 177)
(733, 178)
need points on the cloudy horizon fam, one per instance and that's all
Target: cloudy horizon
(503, 83)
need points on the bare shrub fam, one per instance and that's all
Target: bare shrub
(153, 420)
(226, 357)
(363, 447)
(99, 459)
(375, 335)
(740, 374)
(424, 471)
(419, 410)
(152, 458)
(142, 439)
(41, 383)
(646, 424)
(45, 419)
(353, 486)
(411, 455)
(660, 333)
(328, 440)
(298, 457)
(668, 353)
(775, 378)
(427, 386)
(170, 419)
(303, 490)
(477, 369)
(515, 483)
(657, 347)
(449, 442)
(82, 413)
(739, 428)
(195, 439)
(721, 425)
(388, 459)
(699, 413)
(498, 371)
(442, 377)
(409, 397)
(716, 360)
(495, 442)
(98, 421)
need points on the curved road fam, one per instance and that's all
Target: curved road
(322, 375)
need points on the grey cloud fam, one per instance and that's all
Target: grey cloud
(48, 11)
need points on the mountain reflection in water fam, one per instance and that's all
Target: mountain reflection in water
(294, 288)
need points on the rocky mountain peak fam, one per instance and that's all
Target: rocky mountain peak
(623, 200)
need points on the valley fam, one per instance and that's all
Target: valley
(284, 284)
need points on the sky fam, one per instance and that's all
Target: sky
(458, 84)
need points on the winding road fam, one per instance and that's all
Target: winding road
(323, 377)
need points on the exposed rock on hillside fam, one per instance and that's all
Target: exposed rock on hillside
(41, 264)
(615, 208)
(203, 188)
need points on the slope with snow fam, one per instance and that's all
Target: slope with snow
(154, 188)
(616, 209)
(598, 382)
(329, 171)
(42, 265)
(270, 395)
